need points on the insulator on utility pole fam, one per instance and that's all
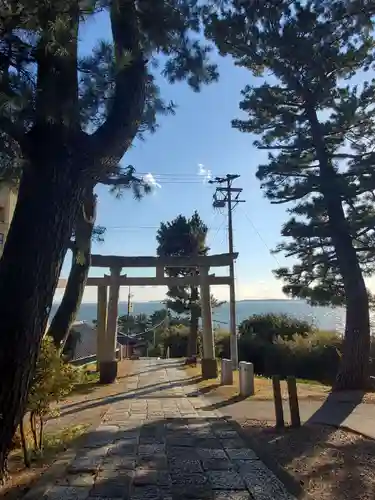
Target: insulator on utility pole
(226, 195)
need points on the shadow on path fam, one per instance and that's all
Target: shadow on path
(175, 458)
(148, 392)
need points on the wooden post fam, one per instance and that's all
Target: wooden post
(293, 402)
(277, 399)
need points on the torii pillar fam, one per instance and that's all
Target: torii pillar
(209, 364)
(107, 329)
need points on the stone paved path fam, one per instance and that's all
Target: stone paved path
(157, 443)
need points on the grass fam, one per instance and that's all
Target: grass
(90, 379)
(61, 433)
(22, 478)
(307, 389)
(263, 387)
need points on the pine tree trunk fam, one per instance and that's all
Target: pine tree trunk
(68, 309)
(48, 201)
(354, 368)
(194, 323)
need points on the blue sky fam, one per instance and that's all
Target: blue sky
(199, 133)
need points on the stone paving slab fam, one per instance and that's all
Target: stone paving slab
(165, 448)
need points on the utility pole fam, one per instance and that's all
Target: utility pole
(129, 308)
(226, 195)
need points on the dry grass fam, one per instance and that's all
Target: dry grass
(307, 390)
(263, 387)
(330, 464)
(21, 478)
(62, 432)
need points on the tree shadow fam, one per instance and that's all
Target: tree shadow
(138, 393)
(174, 458)
(329, 463)
(332, 413)
(161, 366)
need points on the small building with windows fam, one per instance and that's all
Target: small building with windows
(8, 199)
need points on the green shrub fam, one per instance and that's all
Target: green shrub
(315, 357)
(53, 380)
(155, 351)
(267, 327)
(222, 343)
(176, 339)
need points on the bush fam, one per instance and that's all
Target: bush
(222, 343)
(267, 327)
(315, 357)
(176, 340)
(155, 351)
(52, 381)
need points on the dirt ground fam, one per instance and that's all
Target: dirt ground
(331, 464)
(78, 412)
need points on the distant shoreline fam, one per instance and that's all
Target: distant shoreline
(224, 302)
(325, 318)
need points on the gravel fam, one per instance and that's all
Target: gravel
(331, 464)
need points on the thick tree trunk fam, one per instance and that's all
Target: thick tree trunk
(194, 322)
(48, 201)
(354, 369)
(67, 311)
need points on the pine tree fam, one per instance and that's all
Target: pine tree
(184, 237)
(72, 123)
(120, 180)
(318, 128)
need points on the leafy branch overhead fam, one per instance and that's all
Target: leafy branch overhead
(168, 38)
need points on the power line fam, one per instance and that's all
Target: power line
(261, 238)
(228, 196)
(136, 228)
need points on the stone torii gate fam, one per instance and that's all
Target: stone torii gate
(107, 308)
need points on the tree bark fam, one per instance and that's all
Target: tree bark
(62, 162)
(194, 322)
(354, 368)
(48, 201)
(67, 311)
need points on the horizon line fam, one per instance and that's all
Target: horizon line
(161, 301)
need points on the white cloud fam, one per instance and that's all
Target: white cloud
(151, 181)
(204, 172)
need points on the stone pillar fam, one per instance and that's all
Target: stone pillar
(246, 371)
(209, 365)
(101, 324)
(226, 372)
(108, 366)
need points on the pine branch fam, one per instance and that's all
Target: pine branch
(116, 134)
(13, 130)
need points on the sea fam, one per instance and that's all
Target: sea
(325, 318)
